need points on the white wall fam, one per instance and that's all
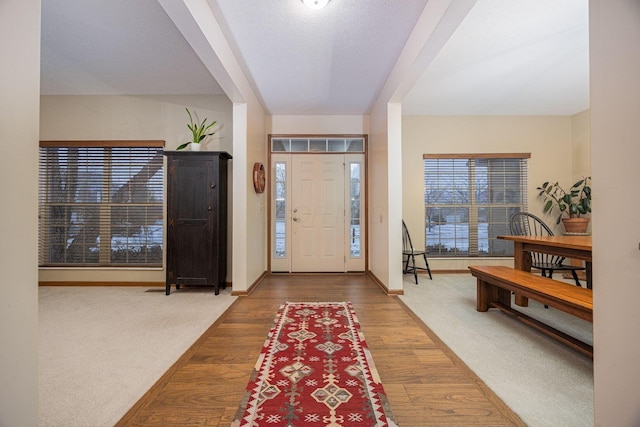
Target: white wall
(250, 213)
(615, 129)
(318, 125)
(132, 117)
(19, 91)
(547, 138)
(378, 195)
(394, 197)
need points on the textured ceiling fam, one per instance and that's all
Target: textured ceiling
(506, 57)
(329, 61)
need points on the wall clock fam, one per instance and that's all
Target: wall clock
(259, 179)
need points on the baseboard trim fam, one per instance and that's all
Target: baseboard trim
(85, 283)
(251, 287)
(383, 286)
(317, 273)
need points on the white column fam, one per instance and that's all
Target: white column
(19, 131)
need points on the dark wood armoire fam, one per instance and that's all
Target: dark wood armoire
(197, 218)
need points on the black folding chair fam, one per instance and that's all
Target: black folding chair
(409, 254)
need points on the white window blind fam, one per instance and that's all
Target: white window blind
(469, 200)
(101, 203)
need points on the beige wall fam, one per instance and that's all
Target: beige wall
(19, 91)
(134, 117)
(551, 140)
(581, 144)
(131, 117)
(615, 129)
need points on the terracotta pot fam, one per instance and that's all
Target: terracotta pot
(575, 225)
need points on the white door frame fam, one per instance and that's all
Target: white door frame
(354, 242)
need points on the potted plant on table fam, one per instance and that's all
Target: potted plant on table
(572, 205)
(198, 132)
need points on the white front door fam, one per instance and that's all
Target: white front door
(317, 213)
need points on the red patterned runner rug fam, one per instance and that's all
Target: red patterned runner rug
(315, 370)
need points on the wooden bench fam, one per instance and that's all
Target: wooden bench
(495, 284)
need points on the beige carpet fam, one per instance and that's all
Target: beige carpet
(544, 382)
(90, 372)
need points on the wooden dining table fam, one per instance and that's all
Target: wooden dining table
(568, 246)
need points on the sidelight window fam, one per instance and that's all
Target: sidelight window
(280, 190)
(355, 209)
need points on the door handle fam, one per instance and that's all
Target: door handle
(295, 219)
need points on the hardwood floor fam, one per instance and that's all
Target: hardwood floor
(427, 385)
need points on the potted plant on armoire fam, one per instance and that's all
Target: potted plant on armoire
(197, 194)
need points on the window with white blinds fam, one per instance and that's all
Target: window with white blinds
(469, 199)
(101, 203)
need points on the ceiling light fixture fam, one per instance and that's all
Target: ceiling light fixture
(315, 4)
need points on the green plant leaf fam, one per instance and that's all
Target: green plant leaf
(578, 184)
(183, 146)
